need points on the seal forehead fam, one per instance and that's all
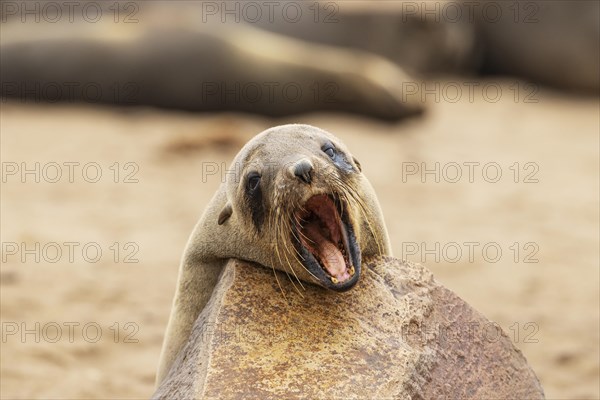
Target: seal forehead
(294, 137)
(299, 131)
(274, 142)
(268, 151)
(250, 152)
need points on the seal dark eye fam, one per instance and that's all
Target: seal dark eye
(254, 199)
(253, 181)
(330, 152)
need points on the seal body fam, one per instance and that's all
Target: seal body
(175, 59)
(295, 200)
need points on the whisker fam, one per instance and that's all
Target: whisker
(289, 228)
(272, 260)
(352, 197)
(277, 237)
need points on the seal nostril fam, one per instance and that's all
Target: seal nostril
(303, 170)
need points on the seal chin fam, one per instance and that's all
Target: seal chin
(326, 243)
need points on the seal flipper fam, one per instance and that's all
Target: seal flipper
(225, 213)
(357, 164)
(193, 292)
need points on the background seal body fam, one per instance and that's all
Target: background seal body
(251, 217)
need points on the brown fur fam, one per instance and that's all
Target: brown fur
(232, 227)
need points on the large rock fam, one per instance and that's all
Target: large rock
(397, 335)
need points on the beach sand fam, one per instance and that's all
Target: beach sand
(522, 247)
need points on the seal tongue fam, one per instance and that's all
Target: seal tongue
(321, 233)
(329, 254)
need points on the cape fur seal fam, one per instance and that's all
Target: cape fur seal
(556, 43)
(294, 200)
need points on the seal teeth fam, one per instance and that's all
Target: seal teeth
(351, 271)
(334, 280)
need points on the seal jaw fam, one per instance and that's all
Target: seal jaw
(326, 243)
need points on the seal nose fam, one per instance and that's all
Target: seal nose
(303, 170)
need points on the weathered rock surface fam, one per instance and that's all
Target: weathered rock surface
(398, 335)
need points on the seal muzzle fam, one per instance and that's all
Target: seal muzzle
(326, 243)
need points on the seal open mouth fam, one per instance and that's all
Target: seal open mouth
(327, 244)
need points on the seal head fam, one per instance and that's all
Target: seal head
(294, 200)
(296, 188)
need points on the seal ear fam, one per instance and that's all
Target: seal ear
(357, 164)
(225, 213)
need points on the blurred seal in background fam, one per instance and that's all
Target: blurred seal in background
(285, 58)
(553, 42)
(172, 58)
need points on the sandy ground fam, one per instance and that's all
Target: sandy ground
(543, 288)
